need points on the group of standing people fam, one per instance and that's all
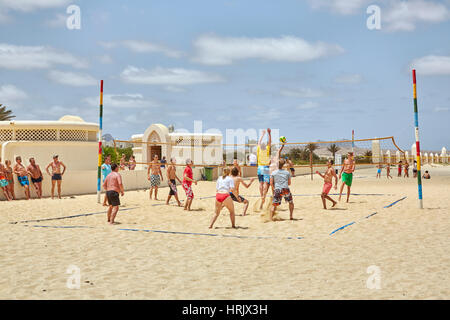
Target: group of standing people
(402, 170)
(31, 172)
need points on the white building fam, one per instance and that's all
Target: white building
(73, 139)
(201, 148)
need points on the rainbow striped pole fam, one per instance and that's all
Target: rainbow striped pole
(416, 128)
(99, 171)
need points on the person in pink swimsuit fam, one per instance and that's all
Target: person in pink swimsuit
(328, 183)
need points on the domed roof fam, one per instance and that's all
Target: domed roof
(70, 118)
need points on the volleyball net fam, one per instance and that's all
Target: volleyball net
(209, 153)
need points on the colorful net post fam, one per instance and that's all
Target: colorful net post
(416, 129)
(99, 170)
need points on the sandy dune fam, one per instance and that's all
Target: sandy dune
(256, 261)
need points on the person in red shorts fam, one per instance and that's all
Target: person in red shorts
(328, 183)
(399, 169)
(188, 178)
(225, 187)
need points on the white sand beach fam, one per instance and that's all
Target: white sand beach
(277, 260)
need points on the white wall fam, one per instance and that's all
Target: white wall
(77, 156)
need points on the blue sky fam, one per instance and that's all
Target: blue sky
(310, 68)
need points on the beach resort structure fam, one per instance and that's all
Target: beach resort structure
(202, 148)
(76, 143)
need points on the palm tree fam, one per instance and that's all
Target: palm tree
(5, 115)
(333, 148)
(311, 147)
(368, 156)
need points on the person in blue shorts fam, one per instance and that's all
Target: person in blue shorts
(22, 176)
(263, 157)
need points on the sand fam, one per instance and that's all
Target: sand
(409, 246)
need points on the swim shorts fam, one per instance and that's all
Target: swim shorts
(264, 174)
(278, 195)
(57, 176)
(173, 187)
(3, 183)
(188, 190)
(23, 181)
(327, 187)
(113, 198)
(235, 199)
(36, 180)
(347, 178)
(155, 180)
(379, 171)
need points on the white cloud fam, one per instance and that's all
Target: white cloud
(72, 78)
(127, 100)
(31, 5)
(403, 16)
(105, 59)
(442, 109)
(308, 105)
(301, 93)
(349, 79)
(35, 57)
(58, 21)
(179, 114)
(216, 50)
(143, 47)
(163, 76)
(395, 15)
(4, 18)
(175, 89)
(340, 6)
(432, 65)
(10, 94)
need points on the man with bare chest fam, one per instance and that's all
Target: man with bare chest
(155, 176)
(237, 181)
(347, 174)
(172, 181)
(22, 176)
(56, 174)
(36, 176)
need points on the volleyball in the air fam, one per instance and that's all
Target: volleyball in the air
(282, 139)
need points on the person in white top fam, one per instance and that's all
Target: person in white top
(252, 159)
(225, 185)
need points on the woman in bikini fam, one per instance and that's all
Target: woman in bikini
(225, 186)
